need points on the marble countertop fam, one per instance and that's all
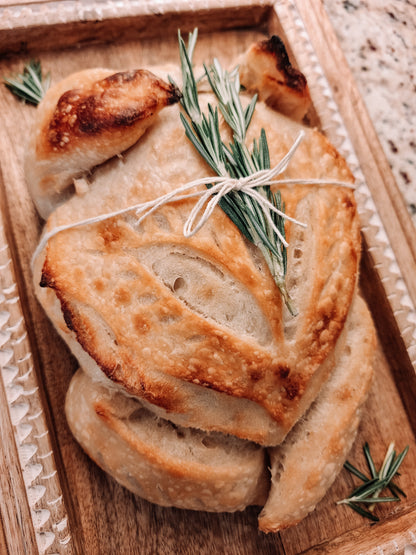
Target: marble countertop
(378, 38)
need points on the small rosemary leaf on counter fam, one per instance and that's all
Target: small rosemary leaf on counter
(366, 489)
(30, 85)
(363, 512)
(369, 459)
(355, 471)
(372, 500)
(369, 492)
(396, 463)
(395, 490)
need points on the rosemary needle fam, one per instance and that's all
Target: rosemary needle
(265, 230)
(369, 492)
(30, 85)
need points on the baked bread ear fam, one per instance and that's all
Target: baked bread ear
(305, 465)
(153, 309)
(161, 462)
(84, 120)
(265, 69)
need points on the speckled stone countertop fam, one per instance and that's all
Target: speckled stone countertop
(378, 38)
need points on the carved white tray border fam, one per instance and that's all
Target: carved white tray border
(53, 12)
(27, 417)
(20, 382)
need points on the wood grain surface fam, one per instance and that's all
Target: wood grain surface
(104, 518)
(16, 521)
(3, 546)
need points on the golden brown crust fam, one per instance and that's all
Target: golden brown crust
(292, 77)
(170, 465)
(107, 105)
(267, 70)
(108, 290)
(265, 378)
(86, 119)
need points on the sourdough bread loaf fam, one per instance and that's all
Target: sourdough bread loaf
(156, 310)
(195, 376)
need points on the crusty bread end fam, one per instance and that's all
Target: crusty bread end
(305, 465)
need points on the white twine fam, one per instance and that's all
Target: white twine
(220, 187)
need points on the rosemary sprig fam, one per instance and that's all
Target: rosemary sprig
(369, 492)
(29, 85)
(266, 231)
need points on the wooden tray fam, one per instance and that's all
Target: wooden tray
(53, 499)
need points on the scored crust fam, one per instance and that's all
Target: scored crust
(129, 293)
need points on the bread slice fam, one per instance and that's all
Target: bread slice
(84, 120)
(188, 322)
(161, 462)
(305, 465)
